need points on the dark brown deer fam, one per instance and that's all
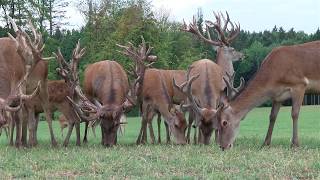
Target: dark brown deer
(20, 56)
(155, 93)
(287, 72)
(106, 85)
(211, 74)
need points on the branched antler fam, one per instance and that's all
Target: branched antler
(231, 90)
(186, 89)
(225, 36)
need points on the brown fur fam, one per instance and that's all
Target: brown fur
(58, 92)
(287, 72)
(157, 96)
(107, 82)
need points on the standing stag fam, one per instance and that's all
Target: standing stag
(155, 93)
(287, 72)
(19, 57)
(69, 72)
(209, 85)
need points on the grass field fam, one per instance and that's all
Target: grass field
(128, 161)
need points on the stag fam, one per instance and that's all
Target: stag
(155, 93)
(212, 76)
(225, 53)
(69, 72)
(21, 58)
(287, 72)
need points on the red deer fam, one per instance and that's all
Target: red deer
(19, 57)
(287, 72)
(211, 74)
(69, 72)
(106, 85)
(155, 92)
(58, 92)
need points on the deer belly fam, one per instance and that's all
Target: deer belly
(283, 96)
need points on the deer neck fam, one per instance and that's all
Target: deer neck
(252, 96)
(224, 62)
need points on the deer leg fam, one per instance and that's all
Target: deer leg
(24, 127)
(66, 140)
(159, 128)
(7, 133)
(12, 128)
(167, 132)
(152, 137)
(18, 129)
(37, 116)
(45, 104)
(150, 118)
(297, 99)
(190, 121)
(138, 141)
(142, 132)
(195, 139)
(31, 126)
(85, 138)
(273, 116)
(77, 124)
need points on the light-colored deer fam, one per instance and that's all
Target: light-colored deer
(207, 88)
(287, 72)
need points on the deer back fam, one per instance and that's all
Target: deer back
(107, 82)
(207, 88)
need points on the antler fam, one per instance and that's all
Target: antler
(193, 28)
(142, 60)
(231, 90)
(220, 29)
(140, 55)
(186, 89)
(224, 35)
(69, 72)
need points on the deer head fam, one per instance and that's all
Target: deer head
(15, 99)
(223, 34)
(206, 120)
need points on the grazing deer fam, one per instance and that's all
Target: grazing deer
(287, 72)
(155, 94)
(106, 85)
(19, 58)
(209, 86)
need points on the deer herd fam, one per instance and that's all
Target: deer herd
(205, 91)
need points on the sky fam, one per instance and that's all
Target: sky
(253, 15)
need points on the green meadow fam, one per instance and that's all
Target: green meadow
(246, 160)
